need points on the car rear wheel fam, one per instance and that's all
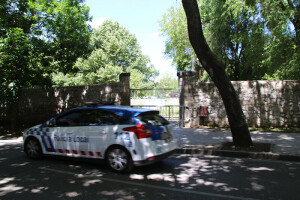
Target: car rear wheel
(119, 159)
(33, 149)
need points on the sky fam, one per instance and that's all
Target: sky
(140, 17)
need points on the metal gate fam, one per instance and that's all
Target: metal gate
(171, 113)
(166, 101)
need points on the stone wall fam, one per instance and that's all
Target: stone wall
(38, 105)
(265, 103)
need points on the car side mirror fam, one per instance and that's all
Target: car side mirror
(50, 123)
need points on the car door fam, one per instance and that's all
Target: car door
(66, 127)
(95, 133)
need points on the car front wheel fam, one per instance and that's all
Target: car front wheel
(119, 159)
(33, 149)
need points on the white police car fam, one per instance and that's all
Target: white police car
(124, 136)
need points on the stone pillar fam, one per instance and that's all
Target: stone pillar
(187, 84)
(125, 90)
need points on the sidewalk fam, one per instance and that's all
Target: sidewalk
(284, 146)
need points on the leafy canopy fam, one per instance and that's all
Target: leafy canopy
(177, 45)
(167, 82)
(255, 39)
(114, 50)
(37, 38)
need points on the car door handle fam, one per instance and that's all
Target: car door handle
(69, 133)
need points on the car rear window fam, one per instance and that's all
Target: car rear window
(153, 119)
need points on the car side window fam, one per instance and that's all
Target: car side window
(98, 118)
(90, 117)
(70, 119)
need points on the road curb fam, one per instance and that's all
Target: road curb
(238, 154)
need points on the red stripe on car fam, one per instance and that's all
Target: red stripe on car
(75, 152)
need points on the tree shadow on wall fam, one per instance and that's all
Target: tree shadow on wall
(39, 105)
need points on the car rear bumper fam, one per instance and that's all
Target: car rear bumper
(153, 159)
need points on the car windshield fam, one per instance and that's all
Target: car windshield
(153, 119)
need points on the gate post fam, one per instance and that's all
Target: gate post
(125, 91)
(187, 83)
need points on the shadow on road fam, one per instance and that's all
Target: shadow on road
(174, 178)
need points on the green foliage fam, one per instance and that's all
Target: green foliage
(12, 73)
(167, 82)
(282, 45)
(235, 38)
(174, 27)
(38, 37)
(66, 29)
(255, 39)
(114, 50)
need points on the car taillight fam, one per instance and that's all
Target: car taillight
(140, 131)
(151, 158)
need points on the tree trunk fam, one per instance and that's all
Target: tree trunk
(216, 70)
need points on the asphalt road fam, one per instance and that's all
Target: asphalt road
(178, 177)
